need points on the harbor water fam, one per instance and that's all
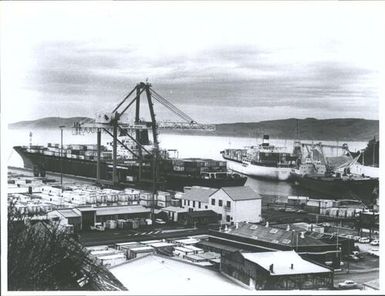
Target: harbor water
(186, 145)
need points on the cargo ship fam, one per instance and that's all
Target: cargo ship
(332, 176)
(174, 173)
(263, 161)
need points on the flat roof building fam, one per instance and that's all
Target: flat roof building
(280, 270)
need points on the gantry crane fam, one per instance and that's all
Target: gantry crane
(112, 123)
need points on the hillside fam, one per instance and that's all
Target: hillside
(341, 129)
(47, 123)
(309, 128)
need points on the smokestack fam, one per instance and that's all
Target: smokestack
(271, 268)
(265, 141)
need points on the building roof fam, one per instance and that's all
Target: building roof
(218, 246)
(116, 210)
(160, 275)
(238, 193)
(175, 209)
(274, 235)
(281, 262)
(201, 194)
(69, 213)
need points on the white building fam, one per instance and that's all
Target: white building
(236, 204)
(197, 198)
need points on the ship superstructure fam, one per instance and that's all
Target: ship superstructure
(264, 160)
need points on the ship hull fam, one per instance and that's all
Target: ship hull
(259, 171)
(177, 182)
(41, 163)
(360, 189)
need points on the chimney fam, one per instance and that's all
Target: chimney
(292, 266)
(302, 234)
(226, 229)
(236, 225)
(288, 227)
(265, 141)
(267, 224)
(271, 268)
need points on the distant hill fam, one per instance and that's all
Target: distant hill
(341, 129)
(47, 123)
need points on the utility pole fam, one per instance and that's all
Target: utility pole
(61, 162)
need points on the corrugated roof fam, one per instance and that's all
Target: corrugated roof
(240, 193)
(102, 211)
(199, 194)
(69, 213)
(282, 261)
(175, 209)
(274, 235)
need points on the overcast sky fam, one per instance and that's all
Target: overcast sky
(219, 62)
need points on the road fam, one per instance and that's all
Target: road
(360, 278)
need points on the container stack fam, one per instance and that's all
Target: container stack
(163, 199)
(145, 199)
(196, 166)
(236, 154)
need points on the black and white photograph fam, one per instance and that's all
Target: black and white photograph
(191, 147)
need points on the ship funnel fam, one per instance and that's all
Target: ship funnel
(265, 141)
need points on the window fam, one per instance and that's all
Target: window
(228, 204)
(188, 203)
(219, 216)
(206, 207)
(184, 202)
(228, 218)
(220, 202)
(213, 202)
(193, 203)
(199, 204)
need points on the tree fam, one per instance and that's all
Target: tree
(42, 256)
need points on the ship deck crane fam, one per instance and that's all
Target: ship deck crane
(111, 123)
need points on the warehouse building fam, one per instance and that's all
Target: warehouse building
(279, 270)
(259, 238)
(84, 217)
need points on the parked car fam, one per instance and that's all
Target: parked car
(375, 242)
(348, 284)
(356, 238)
(353, 258)
(364, 240)
(160, 221)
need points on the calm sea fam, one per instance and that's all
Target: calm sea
(187, 146)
